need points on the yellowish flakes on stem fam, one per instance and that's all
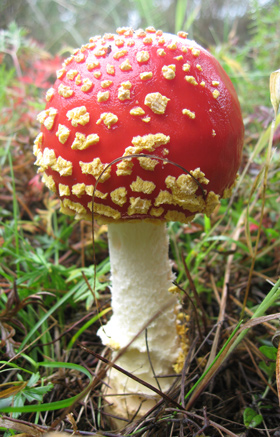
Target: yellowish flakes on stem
(174, 289)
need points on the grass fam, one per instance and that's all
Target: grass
(54, 289)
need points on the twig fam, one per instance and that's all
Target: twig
(222, 311)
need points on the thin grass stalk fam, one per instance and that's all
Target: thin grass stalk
(274, 94)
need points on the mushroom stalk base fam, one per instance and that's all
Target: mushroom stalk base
(141, 276)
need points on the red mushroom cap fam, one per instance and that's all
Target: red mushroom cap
(140, 93)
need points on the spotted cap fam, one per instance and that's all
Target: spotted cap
(140, 125)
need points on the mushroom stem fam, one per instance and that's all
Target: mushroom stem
(141, 276)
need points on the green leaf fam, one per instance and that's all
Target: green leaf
(269, 369)
(19, 407)
(251, 418)
(269, 352)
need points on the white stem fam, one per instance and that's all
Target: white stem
(141, 276)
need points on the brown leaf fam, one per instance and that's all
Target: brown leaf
(12, 390)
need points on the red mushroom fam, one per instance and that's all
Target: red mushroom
(150, 99)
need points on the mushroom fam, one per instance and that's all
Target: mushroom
(140, 128)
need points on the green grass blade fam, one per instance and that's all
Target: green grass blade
(57, 405)
(45, 317)
(180, 12)
(85, 326)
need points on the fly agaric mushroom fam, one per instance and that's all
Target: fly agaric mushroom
(140, 100)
